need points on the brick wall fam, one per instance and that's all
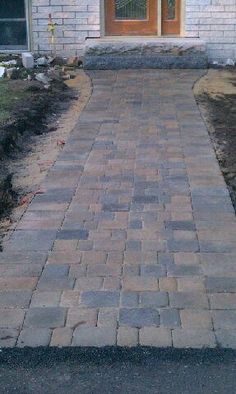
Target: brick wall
(215, 22)
(76, 20)
(211, 20)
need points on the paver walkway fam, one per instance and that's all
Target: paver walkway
(133, 241)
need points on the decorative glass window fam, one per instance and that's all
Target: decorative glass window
(13, 24)
(131, 9)
(171, 7)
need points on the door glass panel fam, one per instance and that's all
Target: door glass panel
(131, 9)
(171, 7)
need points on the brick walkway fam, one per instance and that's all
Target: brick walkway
(133, 241)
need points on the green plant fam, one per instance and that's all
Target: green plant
(52, 30)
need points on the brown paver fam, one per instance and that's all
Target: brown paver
(133, 241)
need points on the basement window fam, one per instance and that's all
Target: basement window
(13, 25)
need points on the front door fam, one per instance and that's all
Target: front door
(131, 17)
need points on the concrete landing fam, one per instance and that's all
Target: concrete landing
(141, 52)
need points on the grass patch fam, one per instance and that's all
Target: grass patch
(11, 93)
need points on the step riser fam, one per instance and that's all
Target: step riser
(105, 54)
(142, 62)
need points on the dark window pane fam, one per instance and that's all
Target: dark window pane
(13, 33)
(12, 9)
(131, 9)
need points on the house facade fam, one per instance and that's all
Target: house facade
(24, 23)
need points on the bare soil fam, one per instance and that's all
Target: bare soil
(30, 152)
(27, 108)
(216, 96)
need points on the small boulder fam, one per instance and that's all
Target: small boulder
(10, 63)
(27, 60)
(43, 78)
(42, 61)
(2, 72)
(230, 62)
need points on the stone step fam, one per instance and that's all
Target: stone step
(141, 52)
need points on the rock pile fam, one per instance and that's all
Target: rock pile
(40, 68)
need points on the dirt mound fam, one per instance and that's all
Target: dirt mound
(216, 96)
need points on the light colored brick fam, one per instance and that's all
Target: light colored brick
(81, 317)
(127, 336)
(94, 336)
(107, 317)
(191, 284)
(223, 301)
(137, 283)
(168, 284)
(61, 337)
(11, 318)
(193, 338)
(196, 319)
(155, 336)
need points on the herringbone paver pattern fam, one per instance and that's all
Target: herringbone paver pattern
(133, 241)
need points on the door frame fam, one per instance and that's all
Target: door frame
(159, 20)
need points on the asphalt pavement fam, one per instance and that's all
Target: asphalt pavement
(116, 370)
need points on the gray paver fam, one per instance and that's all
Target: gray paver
(49, 317)
(153, 299)
(34, 337)
(98, 299)
(8, 337)
(188, 300)
(226, 338)
(72, 234)
(221, 285)
(25, 240)
(20, 299)
(129, 299)
(153, 270)
(45, 298)
(224, 319)
(94, 336)
(170, 318)
(132, 242)
(139, 317)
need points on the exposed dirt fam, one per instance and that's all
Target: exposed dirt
(216, 96)
(33, 151)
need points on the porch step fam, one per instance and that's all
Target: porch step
(134, 52)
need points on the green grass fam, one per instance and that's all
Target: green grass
(11, 94)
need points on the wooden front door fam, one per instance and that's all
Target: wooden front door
(171, 14)
(131, 17)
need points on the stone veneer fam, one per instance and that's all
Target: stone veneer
(211, 20)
